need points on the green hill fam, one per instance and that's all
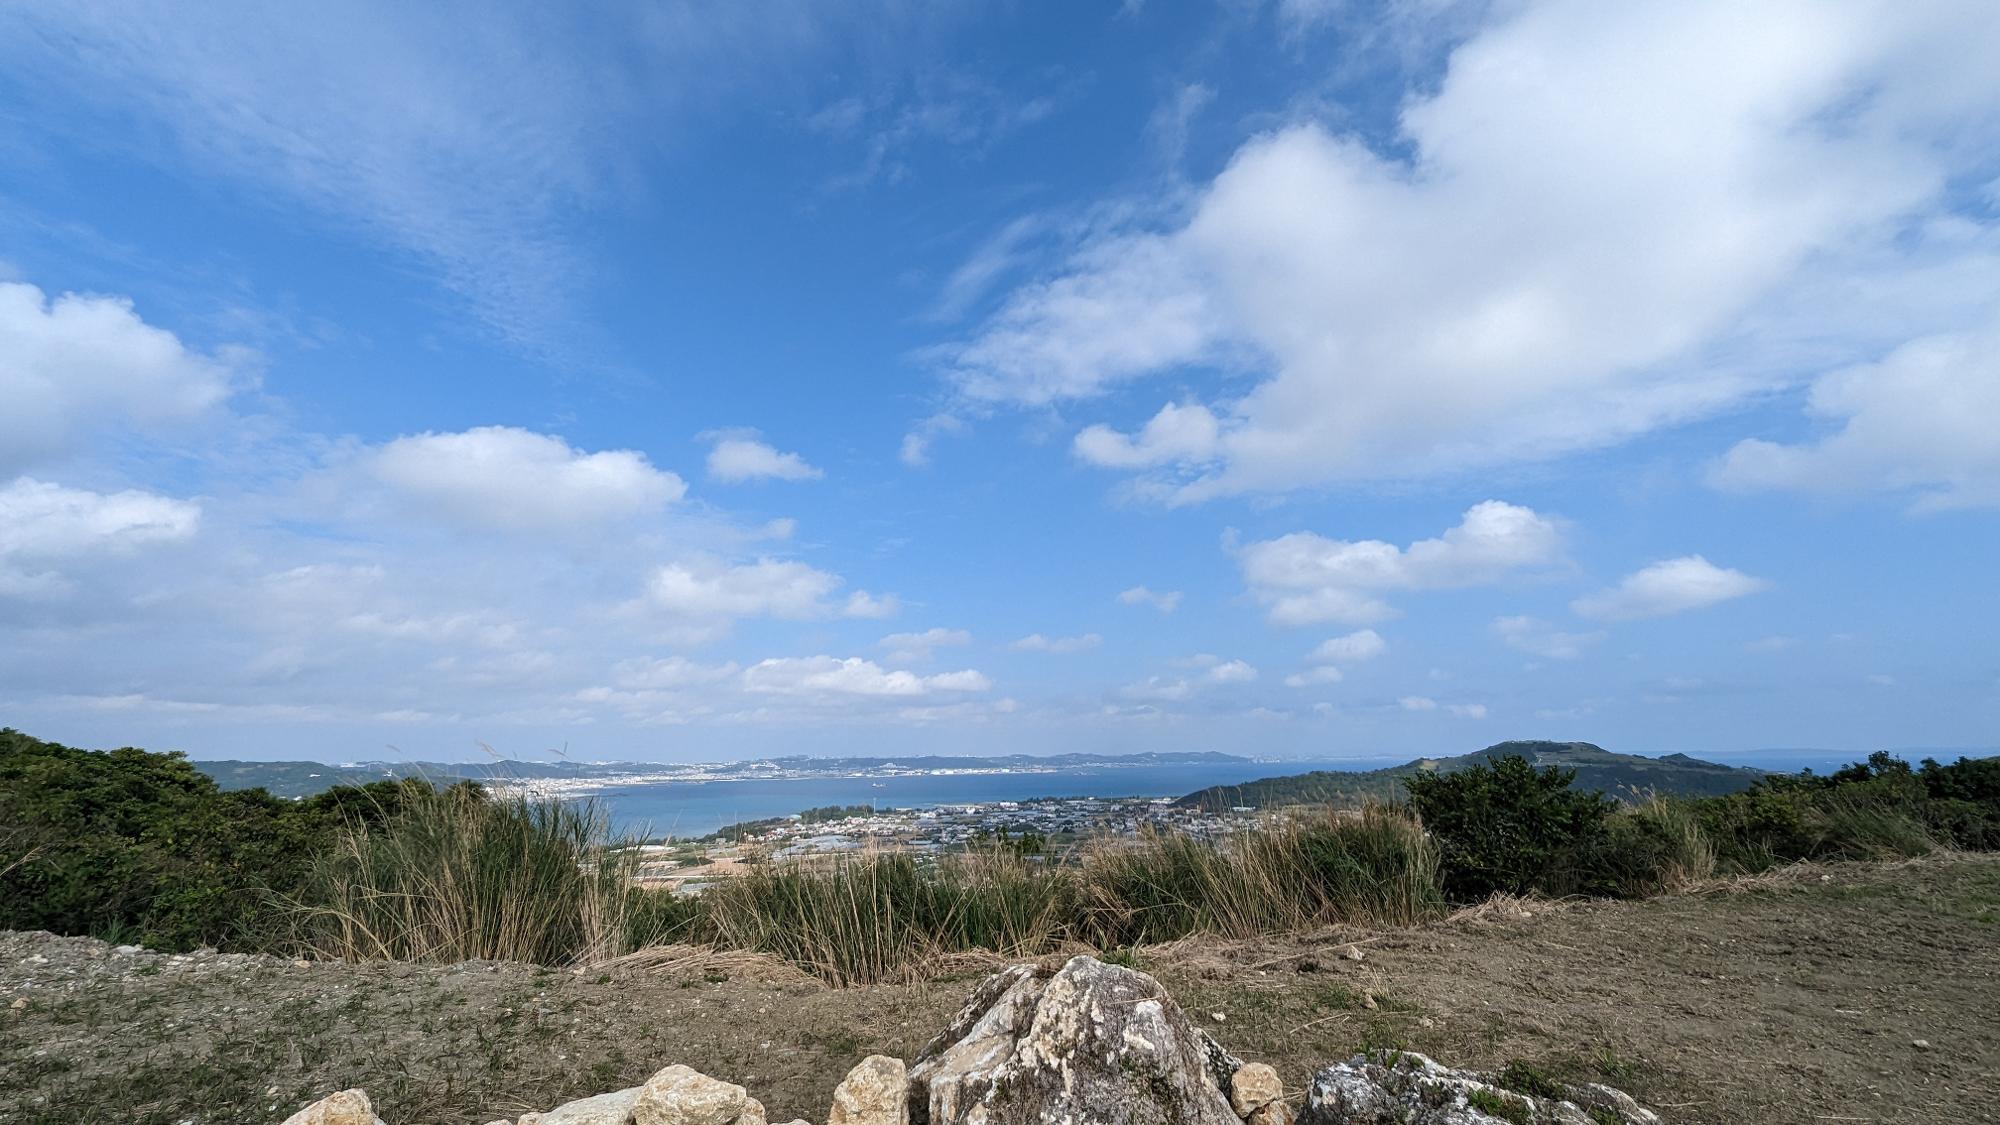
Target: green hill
(1619, 775)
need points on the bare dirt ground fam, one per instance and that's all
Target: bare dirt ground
(1800, 997)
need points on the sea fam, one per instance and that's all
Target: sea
(688, 808)
(681, 808)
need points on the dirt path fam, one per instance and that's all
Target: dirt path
(1800, 1000)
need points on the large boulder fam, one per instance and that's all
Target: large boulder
(681, 1095)
(875, 1092)
(1090, 1043)
(348, 1107)
(1405, 1088)
(604, 1109)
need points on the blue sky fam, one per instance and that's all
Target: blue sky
(1302, 378)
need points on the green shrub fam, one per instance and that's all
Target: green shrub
(143, 847)
(1507, 827)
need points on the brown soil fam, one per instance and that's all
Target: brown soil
(1796, 998)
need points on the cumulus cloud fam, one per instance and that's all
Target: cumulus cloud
(44, 525)
(1920, 422)
(1537, 637)
(1355, 647)
(1036, 642)
(915, 648)
(740, 455)
(1166, 602)
(706, 587)
(1669, 586)
(511, 479)
(1176, 434)
(75, 366)
(1305, 579)
(1576, 238)
(827, 676)
(1231, 672)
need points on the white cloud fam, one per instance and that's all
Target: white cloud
(1576, 238)
(75, 366)
(1232, 672)
(915, 648)
(1313, 677)
(1036, 642)
(739, 455)
(672, 673)
(1920, 422)
(505, 478)
(1165, 602)
(1159, 689)
(861, 603)
(916, 448)
(708, 587)
(1355, 647)
(1776, 642)
(1539, 638)
(43, 524)
(1417, 703)
(1669, 586)
(1178, 433)
(1305, 578)
(1467, 710)
(827, 676)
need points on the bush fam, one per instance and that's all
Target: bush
(132, 846)
(1506, 827)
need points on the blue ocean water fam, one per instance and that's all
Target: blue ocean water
(697, 808)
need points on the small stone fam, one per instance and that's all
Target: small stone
(348, 1107)
(301, 963)
(1368, 1001)
(1252, 1087)
(1353, 953)
(1219, 1017)
(19, 1004)
(1921, 1044)
(681, 1095)
(875, 1092)
(128, 950)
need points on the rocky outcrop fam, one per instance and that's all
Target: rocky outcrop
(1090, 1043)
(1406, 1088)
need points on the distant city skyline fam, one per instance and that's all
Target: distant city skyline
(1294, 379)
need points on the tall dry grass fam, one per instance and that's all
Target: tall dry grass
(875, 916)
(455, 875)
(1310, 868)
(879, 916)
